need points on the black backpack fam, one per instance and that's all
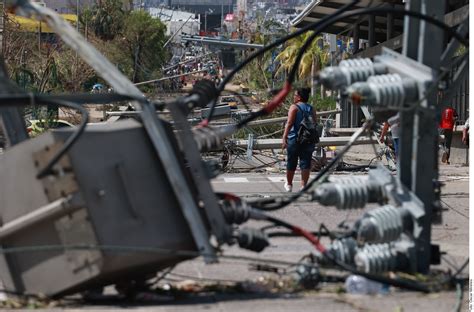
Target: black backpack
(307, 132)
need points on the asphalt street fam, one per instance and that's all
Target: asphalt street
(452, 235)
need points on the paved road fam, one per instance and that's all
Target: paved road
(452, 235)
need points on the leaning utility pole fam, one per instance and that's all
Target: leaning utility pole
(419, 138)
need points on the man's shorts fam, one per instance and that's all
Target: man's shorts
(296, 151)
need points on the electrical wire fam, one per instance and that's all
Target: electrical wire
(269, 47)
(66, 101)
(24, 99)
(406, 284)
(454, 209)
(459, 296)
(270, 204)
(190, 253)
(461, 268)
(319, 27)
(259, 215)
(331, 234)
(71, 140)
(204, 279)
(336, 19)
(307, 43)
(163, 275)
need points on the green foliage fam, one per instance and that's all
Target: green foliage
(139, 49)
(132, 40)
(314, 58)
(105, 19)
(256, 74)
(322, 104)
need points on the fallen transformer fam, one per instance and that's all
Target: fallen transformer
(110, 190)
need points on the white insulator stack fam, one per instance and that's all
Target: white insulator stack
(357, 69)
(376, 258)
(384, 224)
(388, 89)
(344, 193)
(348, 72)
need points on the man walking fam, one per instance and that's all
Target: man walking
(295, 150)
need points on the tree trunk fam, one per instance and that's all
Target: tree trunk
(313, 74)
(135, 65)
(260, 66)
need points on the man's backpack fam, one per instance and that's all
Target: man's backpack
(307, 132)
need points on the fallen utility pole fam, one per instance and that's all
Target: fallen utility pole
(266, 144)
(250, 124)
(220, 42)
(270, 121)
(187, 61)
(169, 77)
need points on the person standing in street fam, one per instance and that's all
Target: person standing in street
(394, 124)
(448, 118)
(296, 151)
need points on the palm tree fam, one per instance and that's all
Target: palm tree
(313, 60)
(106, 18)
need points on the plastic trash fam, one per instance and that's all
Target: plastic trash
(356, 284)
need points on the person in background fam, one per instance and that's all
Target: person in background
(394, 124)
(465, 133)
(448, 121)
(295, 150)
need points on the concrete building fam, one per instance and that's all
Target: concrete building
(67, 6)
(177, 22)
(211, 12)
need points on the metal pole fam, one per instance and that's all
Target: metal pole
(419, 141)
(356, 38)
(171, 38)
(372, 30)
(390, 25)
(410, 49)
(169, 77)
(188, 61)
